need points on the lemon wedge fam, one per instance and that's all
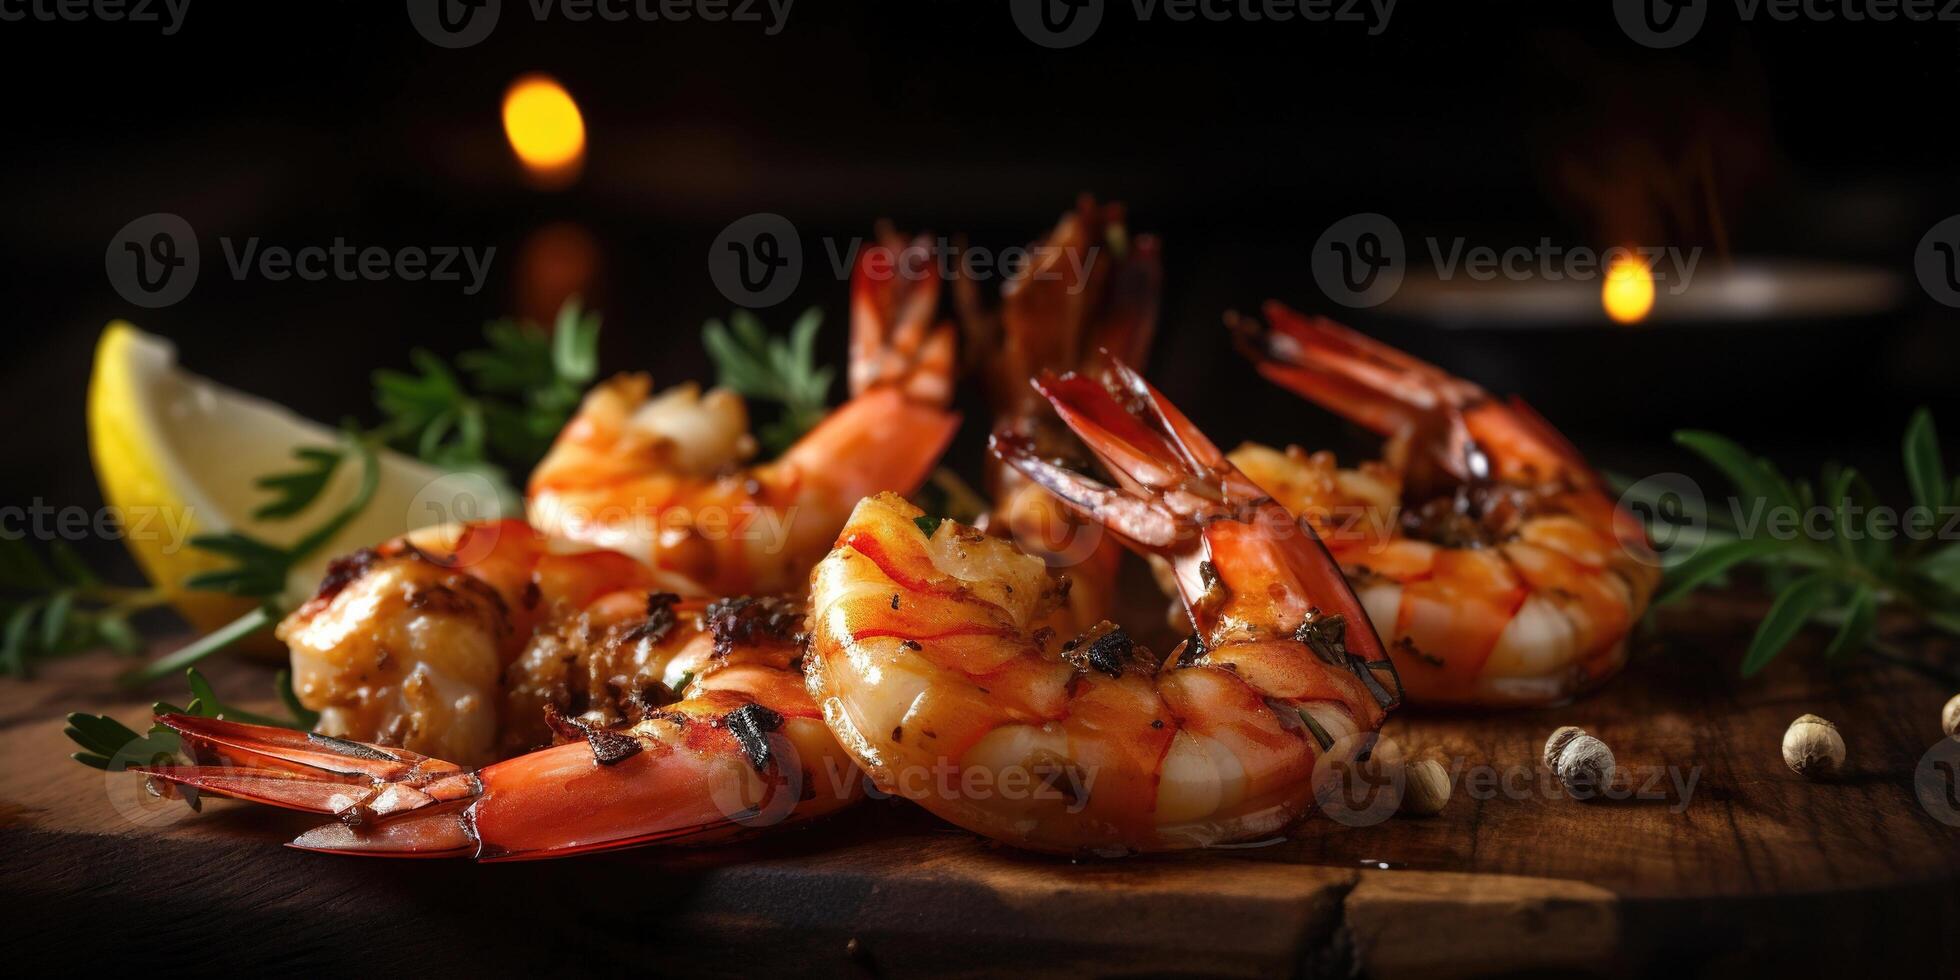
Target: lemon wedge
(178, 455)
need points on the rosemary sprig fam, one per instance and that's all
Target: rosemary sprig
(1847, 558)
(754, 364)
(59, 606)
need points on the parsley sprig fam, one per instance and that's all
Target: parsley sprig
(754, 364)
(259, 569)
(1841, 570)
(523, 388)
(110, 745)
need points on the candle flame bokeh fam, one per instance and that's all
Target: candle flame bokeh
(545, 129)
(1628, 292)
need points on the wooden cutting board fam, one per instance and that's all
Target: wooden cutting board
(1753, 869)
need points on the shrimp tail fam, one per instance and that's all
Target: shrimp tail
(1182, 499)
(1453, 430)
(1090, 290)
(1365, 381)
(411, 795)
(615, 789)
(895, 338)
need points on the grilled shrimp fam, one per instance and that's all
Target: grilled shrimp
(668, 479)
(1089, 292)
(675, 719)
(932, 668)
(408, 643)
(1489, 556)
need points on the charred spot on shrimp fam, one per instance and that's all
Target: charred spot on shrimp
(1408, 646)
(751, 725)
(1476, 516)
(343, 571)
(1189, 651)
(660, 619)
(748, 620)
(1104, 648)
(1325, 635)
(609, 747)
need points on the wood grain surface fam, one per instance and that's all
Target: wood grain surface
(1729, 863)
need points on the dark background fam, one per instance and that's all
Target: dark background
(1238, 143)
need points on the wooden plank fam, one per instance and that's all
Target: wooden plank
(1751, 867)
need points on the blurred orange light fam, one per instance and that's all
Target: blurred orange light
(1628, 293)
(545, 129)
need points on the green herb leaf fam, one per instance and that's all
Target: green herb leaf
(204, 646)
(110, 745)
(1714, 560)
(1792, 608)
(1942, 568)
(756, 365)
(1753, 476)
(1860, 615)
(296, 490)
(575, 345)
(1925, 471)
(927, 524)
(527, 382)
(21, 570)
(60, 606)
(259, 570)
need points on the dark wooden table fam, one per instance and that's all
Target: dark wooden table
(1753, 868)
